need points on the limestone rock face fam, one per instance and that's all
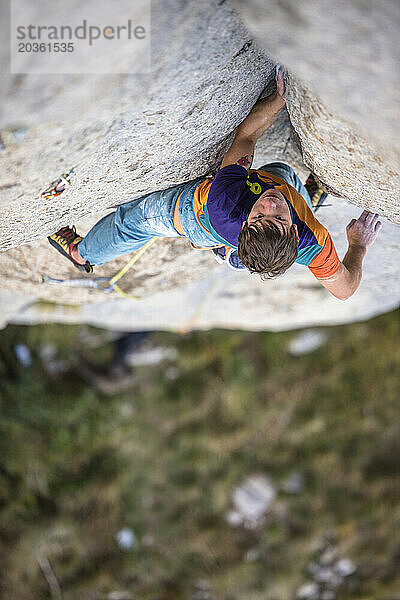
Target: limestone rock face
(130, 135)
(343, 160)
(346, 52)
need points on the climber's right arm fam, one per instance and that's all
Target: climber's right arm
(261, 117)
(361, 234)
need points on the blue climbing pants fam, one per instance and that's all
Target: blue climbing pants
(136, 222)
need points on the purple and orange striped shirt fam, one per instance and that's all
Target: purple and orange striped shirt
(222, 205)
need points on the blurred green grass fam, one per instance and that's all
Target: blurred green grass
(163, 458)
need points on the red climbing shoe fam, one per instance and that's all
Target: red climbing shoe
(316, 193)
(63, 241)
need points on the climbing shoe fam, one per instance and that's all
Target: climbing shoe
(63, 241)
(316, 193)
(229, 256)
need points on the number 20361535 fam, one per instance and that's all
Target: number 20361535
(46, 47)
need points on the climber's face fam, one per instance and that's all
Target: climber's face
(271, 207)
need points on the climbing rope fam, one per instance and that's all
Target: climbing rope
(132, 261)
(113, 281)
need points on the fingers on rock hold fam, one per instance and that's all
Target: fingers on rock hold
(370, 218)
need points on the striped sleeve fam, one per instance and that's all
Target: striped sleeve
(326, 262)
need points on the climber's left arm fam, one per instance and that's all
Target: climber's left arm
(261, 117)
(361, 234)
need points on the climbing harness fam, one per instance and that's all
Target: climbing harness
(58, 186)
(103, 283)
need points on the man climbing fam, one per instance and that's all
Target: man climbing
(261, 219)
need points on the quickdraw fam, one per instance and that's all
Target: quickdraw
(96, 283)
(58, 186)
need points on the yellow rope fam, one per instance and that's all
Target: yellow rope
(117, 289)
(126, 268)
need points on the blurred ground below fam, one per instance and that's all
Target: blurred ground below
(235, 465)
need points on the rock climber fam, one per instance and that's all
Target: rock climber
(259, 219)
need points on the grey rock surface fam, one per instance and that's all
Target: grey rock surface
(347, 52)
(342, 159)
